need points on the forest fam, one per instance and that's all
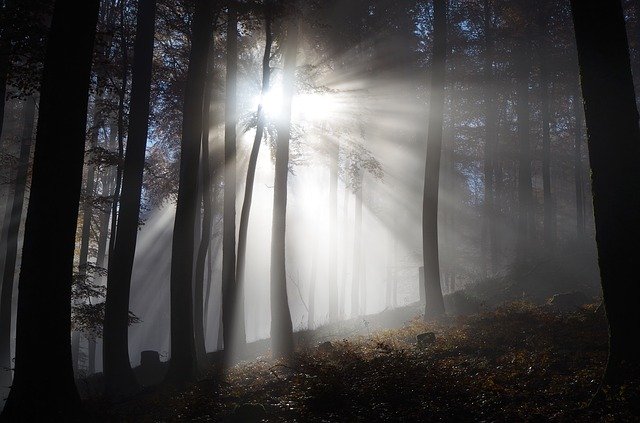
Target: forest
(319, 210)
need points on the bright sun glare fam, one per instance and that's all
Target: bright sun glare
(306, 107)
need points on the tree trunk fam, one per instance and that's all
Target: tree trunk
(549, 222)
(525, 199)
(103, 236)
(345, 241)
(281, 327)
(253, 158)
(207, 216)
(311, 322)
(120, 131)
(491, 139)
(394, 271)
(577, 164)
(333, 231)
(4, 70)
(232, 295)
(118, 375)
(182, 366)
(357, 250)
(44, 300)
(434, 304)
(614, 146)
(12, 219)
(91, 355)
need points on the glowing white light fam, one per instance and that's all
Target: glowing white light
(308, 107)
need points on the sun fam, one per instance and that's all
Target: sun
(309, 107)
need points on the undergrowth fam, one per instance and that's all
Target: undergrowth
(518, 363)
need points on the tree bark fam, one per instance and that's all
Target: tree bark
(491, 139)
(577, 164)
(434, 304)
(121, 132)
(207, 216)
(4, 70)
(614, 146)
(118, 375)
(281, 326)
(313, 276)
(12, 219)
(357, 250)
(345, 241)
(333, 231)
(182, 366)
(44, 300)
(253, 158)
(232, 295)
(525, 198)
(549, 222)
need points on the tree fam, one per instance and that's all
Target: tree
(549, 223)
(434, 305)
(281, 326)
(232, 296)
(119, 377)
(522, 65)
(13, 217)
(491, 139)
(206, 176)
(44, 301)
(182, 366)
(577, 162)
(255, 150)
(614, 145)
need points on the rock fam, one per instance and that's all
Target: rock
(570, 301)
(248, 413)
(426, 339)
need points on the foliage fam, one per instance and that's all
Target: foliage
(518, 363)
(88, 295)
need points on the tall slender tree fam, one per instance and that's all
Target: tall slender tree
(549, 223)
(118, 375)
(491, 139)
(576, 103)
(281, 326)
(434, 305)
(525, 197)
(614, 145)
(334, 158)
(44, 301)
(232, 295)
(13, 217)
(206, 176)
(182, 366)
(255, 150)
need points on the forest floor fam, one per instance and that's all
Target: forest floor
(519, 362)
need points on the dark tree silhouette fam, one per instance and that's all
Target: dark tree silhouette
(434, 305)
(182, 366)
(44, 300)
(207, 174)
(232, 295)
(13, 217)
(119, 378)
(614, 146)
(522, 64)
(490, 142)
(281, 326)
(255, 150)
